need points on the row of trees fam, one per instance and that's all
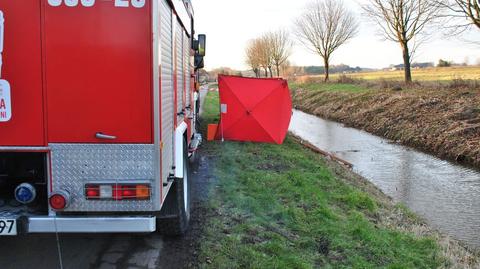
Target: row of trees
(268, 52)
(327, 24)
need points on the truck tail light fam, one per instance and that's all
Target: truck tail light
(124, 192)
(143, 192)
(117, 192)
(93, 192)
(59, 200)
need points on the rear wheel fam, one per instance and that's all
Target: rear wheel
(175, 215)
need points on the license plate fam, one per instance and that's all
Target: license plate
(8, 227)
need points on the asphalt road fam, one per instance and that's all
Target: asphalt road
(112, 250)
(81, 251)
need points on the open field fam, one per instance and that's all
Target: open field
(426, 74)
(284, 206)
(329, 87)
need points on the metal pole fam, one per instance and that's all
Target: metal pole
(221, 114)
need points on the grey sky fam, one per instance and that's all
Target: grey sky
(230, 24)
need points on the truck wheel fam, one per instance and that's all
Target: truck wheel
(175, 215)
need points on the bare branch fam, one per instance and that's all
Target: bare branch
(465, 14)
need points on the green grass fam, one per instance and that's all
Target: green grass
(281, 206)
(213, 86)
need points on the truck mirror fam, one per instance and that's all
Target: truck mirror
(202, 42)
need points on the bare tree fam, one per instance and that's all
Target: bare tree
(404, 22)
(265, 54)
(324, 27)
(287, 69)
(280, 48)
(260, 55)
(268, 51)
(252, 56)
(465, 14)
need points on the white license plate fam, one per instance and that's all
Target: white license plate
(8, 227)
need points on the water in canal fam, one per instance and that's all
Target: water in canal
(447, 195)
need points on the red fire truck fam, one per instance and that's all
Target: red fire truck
(98, 115)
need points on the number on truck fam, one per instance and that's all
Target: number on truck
(91, 3)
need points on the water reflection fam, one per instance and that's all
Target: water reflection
(445, 194)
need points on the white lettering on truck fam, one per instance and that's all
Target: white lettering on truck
(91, 3)
(5, 103)
(126, 3)
(2, 35)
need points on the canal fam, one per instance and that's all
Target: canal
(445, 194)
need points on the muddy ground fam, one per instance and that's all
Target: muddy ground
(445, 122)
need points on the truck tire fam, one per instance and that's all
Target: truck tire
(174, 217)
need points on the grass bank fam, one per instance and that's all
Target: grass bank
(441, 120)
(287, 207)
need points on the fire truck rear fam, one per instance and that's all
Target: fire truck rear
(98, 115)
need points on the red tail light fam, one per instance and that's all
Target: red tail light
(92, 192)
(58, 201)
(117, 192)
(128, 192)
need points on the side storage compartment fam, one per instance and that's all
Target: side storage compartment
(167, 88)
(179, 69)
(98, 73)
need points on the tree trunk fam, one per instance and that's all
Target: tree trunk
(271, 73)
(278, 70)
(406, 63)
(327, 69)
(266, 72)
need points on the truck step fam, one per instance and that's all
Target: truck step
(196, 142)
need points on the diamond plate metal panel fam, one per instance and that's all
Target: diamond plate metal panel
(74, 165)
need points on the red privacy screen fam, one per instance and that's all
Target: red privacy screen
(255, 110)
